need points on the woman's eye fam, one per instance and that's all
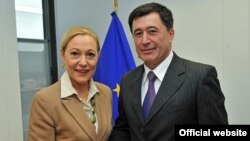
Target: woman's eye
(74, 54)
(90, 55)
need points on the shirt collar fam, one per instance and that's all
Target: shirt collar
(67, 89)
(162, 67)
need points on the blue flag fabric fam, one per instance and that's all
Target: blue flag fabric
(115, 59)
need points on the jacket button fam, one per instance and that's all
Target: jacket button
(142, 130)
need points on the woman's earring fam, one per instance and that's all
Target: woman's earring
(63, 65)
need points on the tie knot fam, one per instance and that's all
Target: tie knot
(151, 76)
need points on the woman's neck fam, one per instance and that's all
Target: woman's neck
(82, 90)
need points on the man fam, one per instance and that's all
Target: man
(185, 92)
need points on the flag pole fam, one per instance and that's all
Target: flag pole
(116, 6)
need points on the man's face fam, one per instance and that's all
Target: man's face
(152, 39)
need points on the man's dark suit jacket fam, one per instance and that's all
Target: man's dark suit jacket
(189, 94)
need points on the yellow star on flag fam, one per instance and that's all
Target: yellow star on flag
(117, 89)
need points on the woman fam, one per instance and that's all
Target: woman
(74, 108)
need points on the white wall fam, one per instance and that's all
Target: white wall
(209, 31)
(10, 101)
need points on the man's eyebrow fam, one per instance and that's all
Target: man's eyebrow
(136, 30)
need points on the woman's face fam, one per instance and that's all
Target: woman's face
(80, 58)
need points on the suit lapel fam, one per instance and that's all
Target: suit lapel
(74, 107)
(136, 93)
(102, 112)
(173, 79)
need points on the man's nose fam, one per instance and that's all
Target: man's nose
(145, 38)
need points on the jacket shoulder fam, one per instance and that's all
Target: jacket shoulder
(50, 93)
(104, 89)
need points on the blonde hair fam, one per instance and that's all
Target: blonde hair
(79, 30)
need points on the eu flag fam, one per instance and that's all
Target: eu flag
(115, 59)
